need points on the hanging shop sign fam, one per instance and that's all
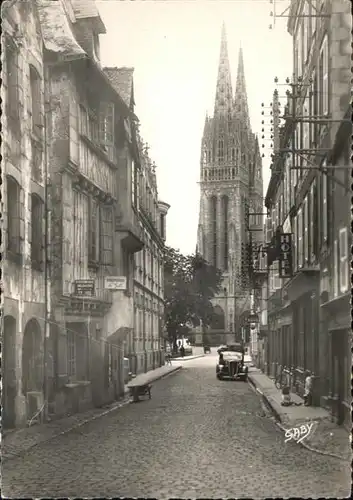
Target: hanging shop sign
(115, 282)
(285, 255)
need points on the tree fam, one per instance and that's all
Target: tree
(190, 284)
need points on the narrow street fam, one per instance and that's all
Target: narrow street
(196, 437)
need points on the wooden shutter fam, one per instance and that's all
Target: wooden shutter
(30, 220)
(107, 236)
(21, 218)
(335, 268)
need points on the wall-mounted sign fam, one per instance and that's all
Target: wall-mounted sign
(84, 288)
(285, 255)
(115, 282)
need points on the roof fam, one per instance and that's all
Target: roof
(87, 9)
(122, 81)
(56, 31)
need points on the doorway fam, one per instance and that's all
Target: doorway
(9, 373)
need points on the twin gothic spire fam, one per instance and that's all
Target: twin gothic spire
(225, 104)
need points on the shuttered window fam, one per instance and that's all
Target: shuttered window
(107, 236)
(343, 260)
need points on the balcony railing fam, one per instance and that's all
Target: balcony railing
(219, 173)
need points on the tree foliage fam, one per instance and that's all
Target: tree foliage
(189, 285)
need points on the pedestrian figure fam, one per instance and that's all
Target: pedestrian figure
(168, 359)
(308, 389)
(182, 351)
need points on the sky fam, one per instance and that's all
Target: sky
(174, 47)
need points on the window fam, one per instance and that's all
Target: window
(323, 79)
(306, 244)
(343, 257)
(324, 207)
(12, 104)
(162, 218)
(93, 232)
(220, 150)
(107, 234)
(300, 238)
(83, 121)
(335, 268)
(37, 243)
(92, 126)
(214, 229)
(306, 126)
(106, 124)
(134, 184)
(71, 354)
(312, 108)
(36, 101)
(14, 221)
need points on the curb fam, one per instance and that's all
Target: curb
(283, 428)
(190, 358)
(124, 402)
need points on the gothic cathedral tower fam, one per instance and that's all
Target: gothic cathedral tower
(230, 184)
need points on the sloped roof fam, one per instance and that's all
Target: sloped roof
(56, 31)
(87, 9)
(122, 81)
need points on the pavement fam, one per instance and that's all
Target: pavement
(198, 437)
(188, 358)
(325, 436)
(18, 441)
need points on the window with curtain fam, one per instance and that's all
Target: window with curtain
(324, 218)
(300, 238)
(306, 231)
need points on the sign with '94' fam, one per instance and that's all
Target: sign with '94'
(298, 433)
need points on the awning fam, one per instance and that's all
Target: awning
(56, 31)
(304, 281)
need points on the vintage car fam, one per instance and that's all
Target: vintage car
(231, 363)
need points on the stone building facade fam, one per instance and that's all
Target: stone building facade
(231, 186)
(94, 232)
(144, 342)
(309, 325)
(24, 207)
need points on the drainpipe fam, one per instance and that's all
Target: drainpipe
(47, 242)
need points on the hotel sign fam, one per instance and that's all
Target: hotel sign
(285, 255)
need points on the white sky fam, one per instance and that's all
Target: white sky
(174, 47)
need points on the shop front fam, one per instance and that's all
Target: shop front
(337, 388)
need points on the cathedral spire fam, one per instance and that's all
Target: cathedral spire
(241, 99)
(223, 101)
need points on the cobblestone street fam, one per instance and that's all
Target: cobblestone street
(196, 437)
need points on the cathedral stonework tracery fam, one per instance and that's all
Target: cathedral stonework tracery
(230, 173)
